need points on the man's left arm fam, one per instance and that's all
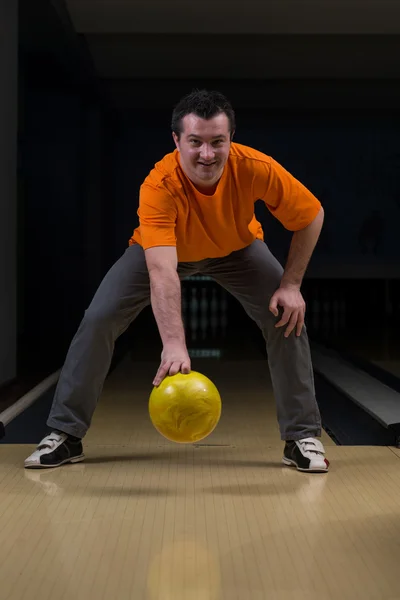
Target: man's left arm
(301, 249)
(288, 295)
(301, 212)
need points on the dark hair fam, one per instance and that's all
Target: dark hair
(204, 104)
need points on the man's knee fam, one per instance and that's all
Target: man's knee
(100, 316)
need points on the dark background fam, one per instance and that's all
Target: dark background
(94, 115)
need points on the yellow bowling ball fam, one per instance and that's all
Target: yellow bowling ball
(185, 408)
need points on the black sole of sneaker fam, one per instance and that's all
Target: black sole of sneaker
(75, 459)
(291, 463)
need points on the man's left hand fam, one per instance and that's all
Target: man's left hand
(294, 308)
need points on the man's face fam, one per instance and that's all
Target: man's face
(204, 148)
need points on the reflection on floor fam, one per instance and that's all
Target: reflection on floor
(144, 519)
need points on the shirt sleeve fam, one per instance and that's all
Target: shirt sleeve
(157, 217)
(285, 197)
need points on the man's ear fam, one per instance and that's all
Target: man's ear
(176, 139)
(232, 134)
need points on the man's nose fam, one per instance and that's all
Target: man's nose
(207, 152)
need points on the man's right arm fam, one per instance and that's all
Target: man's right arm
(165, 289)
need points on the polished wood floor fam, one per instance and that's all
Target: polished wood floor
(145, 519)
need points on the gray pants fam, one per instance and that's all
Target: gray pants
(252, 275)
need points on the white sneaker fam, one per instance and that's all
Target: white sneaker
(55, 450)
(307, 455)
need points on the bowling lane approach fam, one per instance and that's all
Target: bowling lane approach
(144, 518)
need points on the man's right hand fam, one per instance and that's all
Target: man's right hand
(166, 303)
(174, 359)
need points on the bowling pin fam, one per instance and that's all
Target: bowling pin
(203, 312)
(214, 312)
(224, 312)
(194, 305)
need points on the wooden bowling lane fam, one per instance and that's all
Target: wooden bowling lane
(145, 519)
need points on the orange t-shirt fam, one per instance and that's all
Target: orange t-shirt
(173, 213)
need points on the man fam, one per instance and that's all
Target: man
(196, 215)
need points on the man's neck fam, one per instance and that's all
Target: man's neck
(206, 190)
